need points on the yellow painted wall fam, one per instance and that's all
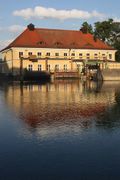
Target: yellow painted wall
(62, 51)
(11, 57)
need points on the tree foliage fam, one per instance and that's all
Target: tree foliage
(107, 31)
(86, 28)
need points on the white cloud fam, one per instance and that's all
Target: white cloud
(16, 28)
(13, 28)
(43, 12)
(12, 31)
(4, 43)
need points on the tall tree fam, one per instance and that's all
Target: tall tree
(104, 30)
(107, 31)
(86, 28)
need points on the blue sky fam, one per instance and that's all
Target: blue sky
(15, 15)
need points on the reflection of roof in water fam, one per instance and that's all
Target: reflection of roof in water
(58, 102)
(62, 115)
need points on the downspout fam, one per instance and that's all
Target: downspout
(12, 59)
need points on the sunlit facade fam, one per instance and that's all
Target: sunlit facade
(51, 50)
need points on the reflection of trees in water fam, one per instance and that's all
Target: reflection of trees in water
(111, 117)
(93, 87)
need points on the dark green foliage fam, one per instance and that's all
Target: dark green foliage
(86, 28)
(103, 30)
(107, 31)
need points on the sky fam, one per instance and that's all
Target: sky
(15, 15)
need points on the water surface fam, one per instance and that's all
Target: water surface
(60, 130)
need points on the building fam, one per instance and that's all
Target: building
(38, 49)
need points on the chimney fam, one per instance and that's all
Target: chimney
(31, 27)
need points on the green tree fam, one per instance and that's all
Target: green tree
(104, 31)
(107, 31)
(86, 28)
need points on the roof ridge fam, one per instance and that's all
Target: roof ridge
(30, 38)
(49, 29)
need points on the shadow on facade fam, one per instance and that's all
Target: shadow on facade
(22, 75)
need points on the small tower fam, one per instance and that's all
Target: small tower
(31, 27)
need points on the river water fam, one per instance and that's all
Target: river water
(63, 130)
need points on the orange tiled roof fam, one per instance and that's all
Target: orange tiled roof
(53, 38)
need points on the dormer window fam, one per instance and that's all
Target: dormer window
(58, 43)
(73, 44)
(41, 43)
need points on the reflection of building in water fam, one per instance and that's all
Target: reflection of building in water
(61, 101)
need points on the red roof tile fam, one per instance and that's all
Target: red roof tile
(53, 38)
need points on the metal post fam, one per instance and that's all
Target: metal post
(21, 70)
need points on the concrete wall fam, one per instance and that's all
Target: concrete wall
(113, 65)
(111, 74)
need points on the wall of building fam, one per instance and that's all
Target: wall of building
(12, 58)
(114, 65)
(7, 60)
(93, 54)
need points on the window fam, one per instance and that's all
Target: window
(65, 54)
(56, 54)
(20, 54)
(39, 67)
(96, 56)
(73, 54)
(65, 67)
(48, 67)
(30, 67)
(29, 53)
(110, 56)
(88, 56)
(104, 56)
(48, 54)
(56, 67)
(80, 55)
(39, 53)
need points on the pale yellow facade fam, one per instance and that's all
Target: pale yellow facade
(48, 59)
